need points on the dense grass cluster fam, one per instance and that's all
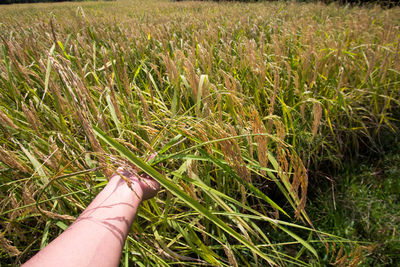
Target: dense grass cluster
(365, 206)
(238, 100)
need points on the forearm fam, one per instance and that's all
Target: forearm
(99, 233)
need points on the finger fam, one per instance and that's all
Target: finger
(153, 184)
(118, 172)
(127, 174)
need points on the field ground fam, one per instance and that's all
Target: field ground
(250, 107)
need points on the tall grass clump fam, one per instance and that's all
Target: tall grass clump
(238, 102)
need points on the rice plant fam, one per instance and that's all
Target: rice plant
(239, 101)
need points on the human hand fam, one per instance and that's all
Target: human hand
(97, 237)
(143, 185)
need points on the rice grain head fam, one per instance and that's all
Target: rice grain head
(317, 113)
(7, 247)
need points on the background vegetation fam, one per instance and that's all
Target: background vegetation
(383, 3)
(249, 107)
(40, 1)
(29, 1)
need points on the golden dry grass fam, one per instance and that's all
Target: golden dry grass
(236, 98)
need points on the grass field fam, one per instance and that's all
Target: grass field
(249, 107)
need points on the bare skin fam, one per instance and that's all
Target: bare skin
(97, 237)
